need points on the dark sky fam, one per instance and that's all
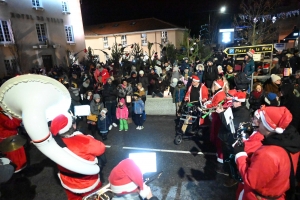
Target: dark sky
(185, 13)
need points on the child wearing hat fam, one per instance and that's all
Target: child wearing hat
(138, 110)
(103, 124)
(122, 115)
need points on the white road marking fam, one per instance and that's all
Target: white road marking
(107, 146)
(169, 151)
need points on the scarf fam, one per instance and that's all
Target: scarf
(75, 91)
(257, 94)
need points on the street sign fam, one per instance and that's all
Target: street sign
(243, 50)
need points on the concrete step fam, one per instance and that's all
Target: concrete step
(160, 106)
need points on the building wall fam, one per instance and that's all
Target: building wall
(96, 42)
(23, 19)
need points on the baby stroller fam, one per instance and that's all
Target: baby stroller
(188, 126)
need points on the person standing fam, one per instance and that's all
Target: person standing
(138, 109)
(122, 115)
(143, 80)
(249, 66)
(95, 106)
(110, 94)
(210, 74)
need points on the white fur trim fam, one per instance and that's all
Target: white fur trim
(80, 190)
(68, 126)
(123, 188)
(279, 130)
(196, 80)
(220, 160)
(265, 123)
(241, 195)
(217, 84)
(240, 155)
(240, 100)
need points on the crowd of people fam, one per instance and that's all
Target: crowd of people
(215, 87)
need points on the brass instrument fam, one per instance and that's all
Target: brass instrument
(103, 193)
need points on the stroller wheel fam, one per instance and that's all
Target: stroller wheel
(178, 139)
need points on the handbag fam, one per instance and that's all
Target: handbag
(128, 99)
(92, 117)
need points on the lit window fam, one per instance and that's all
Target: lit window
(144, 39)
(5, 32)
(41, 32)
(65, 7)
(124, 40)
(164, 36)
(105, 42)
(37, 4)
(69, 34)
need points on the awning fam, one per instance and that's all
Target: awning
(292, 36)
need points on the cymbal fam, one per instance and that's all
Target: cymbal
(12, 143)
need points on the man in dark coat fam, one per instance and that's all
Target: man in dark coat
(110, 94)
(240, 114)
(210, 74)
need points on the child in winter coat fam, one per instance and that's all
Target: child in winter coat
(138, 109)
(103, 124)
(178, 95)
(122, 114)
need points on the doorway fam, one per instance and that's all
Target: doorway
(47, 62)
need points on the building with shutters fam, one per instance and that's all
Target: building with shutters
(39, 34)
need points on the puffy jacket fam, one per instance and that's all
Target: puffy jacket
(249, 68)
(179, 94)
(138, 106)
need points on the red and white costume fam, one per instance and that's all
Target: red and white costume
(84, 146)
(203, 91)
(266, 173)
(9, 127)
(105, 75)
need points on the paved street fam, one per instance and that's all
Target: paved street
(187, 173)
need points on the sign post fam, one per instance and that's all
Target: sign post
(244, 49)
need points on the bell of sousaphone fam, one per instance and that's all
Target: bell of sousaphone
(37, 99)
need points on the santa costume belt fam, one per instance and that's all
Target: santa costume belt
(266, 197)
(73, 175)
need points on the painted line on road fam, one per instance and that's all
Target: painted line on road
(107, 146)
(170, 151)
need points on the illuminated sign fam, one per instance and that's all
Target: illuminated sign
(226, 36)
(243, 50)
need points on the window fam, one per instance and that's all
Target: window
(41, 32)
(65, 7)
(164, 36)
(105, 42)
(69, 34)
(37, 4)
(5, 32)
(144, 39)
(123, 40)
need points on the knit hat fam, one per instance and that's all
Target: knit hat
(240, 96)
(250, 53)
(196, 78)
(275, 119)
(96, 96)
(275, 78)
(175, 80)
(229, 68)
(141, 72)
(122, 100)
(125, 177)
(61, 124)
(271, 100)
(219, 83)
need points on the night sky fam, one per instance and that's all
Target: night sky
(185, 13)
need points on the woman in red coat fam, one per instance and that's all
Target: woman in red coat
(9, 127)
(266, 174)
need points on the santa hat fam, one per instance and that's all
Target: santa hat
(196, 78)
(240, 96)
(250, 53)
(219, 83)
(275, 119)
(125, 177)
(61, 124)
(232, 92)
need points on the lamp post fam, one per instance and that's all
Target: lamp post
(222, 10)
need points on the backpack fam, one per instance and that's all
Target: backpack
(241, 81)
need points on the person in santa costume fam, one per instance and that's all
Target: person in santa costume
(266, 173)
(9, 127)
(85, 146)
(126, 182)
(240, 114)
(216, 100)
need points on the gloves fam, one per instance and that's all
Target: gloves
(145, 192)
(238, 149)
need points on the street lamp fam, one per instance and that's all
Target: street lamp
(222, 10)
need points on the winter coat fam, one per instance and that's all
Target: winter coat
(269, 86)
(272, 181)
(109, 92)
(178, 94)
(138, 106)
(144, 81)
(249, 67)
(240, 114)
(124, 91)
(175, 74)
(122, 113)
(255, 103)
(103, 124)
(96, 107)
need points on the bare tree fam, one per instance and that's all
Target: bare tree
(256, 21)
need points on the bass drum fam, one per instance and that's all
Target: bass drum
(103, 193)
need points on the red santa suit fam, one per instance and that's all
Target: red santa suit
(85, 146)
(265, 173)
(105, 75)
(203, 91)
(9, 127)
(218, 97)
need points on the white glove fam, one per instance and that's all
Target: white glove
(145, 192)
